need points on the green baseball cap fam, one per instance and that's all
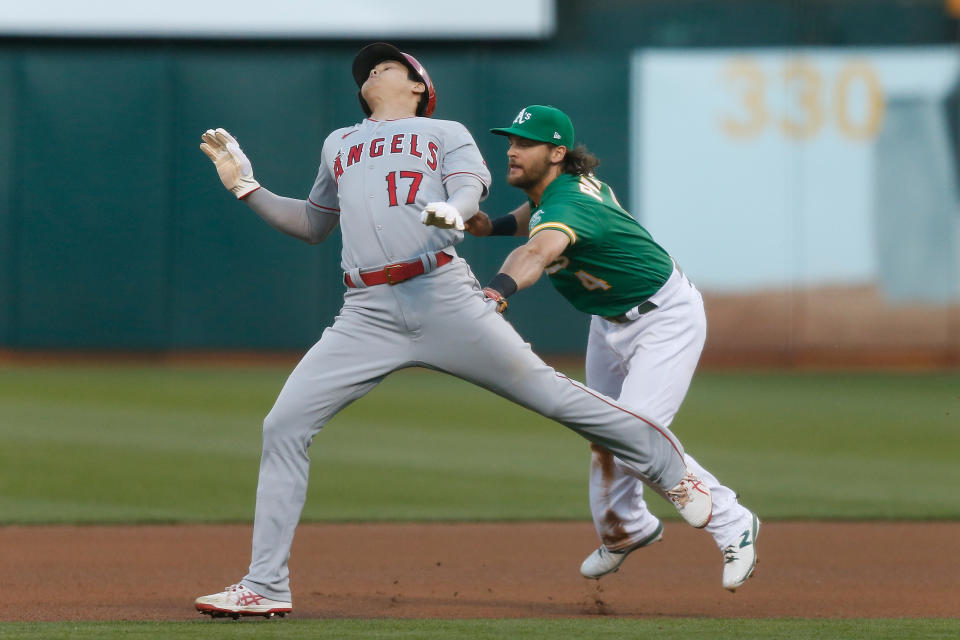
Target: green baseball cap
(541, 123)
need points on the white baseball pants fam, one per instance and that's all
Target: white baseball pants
(647, 365)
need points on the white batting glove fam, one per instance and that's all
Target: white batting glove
(442, 215)
(233, 167)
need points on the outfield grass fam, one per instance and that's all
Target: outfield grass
(612, 628)
(134, 444)
(163, 444)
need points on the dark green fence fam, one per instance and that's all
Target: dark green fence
(116, 234)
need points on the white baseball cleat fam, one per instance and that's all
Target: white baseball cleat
(692, 499)
(740, 558)
(236, 600)
(603, 561)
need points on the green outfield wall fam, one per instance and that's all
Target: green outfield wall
(116, 234)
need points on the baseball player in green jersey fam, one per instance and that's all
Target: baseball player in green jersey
(646, 334)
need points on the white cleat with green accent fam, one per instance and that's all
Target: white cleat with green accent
(740, 558)
(603, 561)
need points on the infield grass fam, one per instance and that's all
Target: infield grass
(528, 629)
(135, 443)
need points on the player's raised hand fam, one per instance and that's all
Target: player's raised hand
(442, 215)
(233, 167)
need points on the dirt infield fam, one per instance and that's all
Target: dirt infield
(810, 570)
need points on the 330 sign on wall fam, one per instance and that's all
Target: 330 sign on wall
(768, 168)
(812, 97)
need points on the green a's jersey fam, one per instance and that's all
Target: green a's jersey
(612, 263)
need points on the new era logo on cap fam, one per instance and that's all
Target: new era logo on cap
(556, 135)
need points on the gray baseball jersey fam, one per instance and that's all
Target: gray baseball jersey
(377, 176)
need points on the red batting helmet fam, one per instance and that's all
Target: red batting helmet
(373, 54)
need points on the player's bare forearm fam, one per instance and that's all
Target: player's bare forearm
(522, 214)
(524, 266)
(526, 263)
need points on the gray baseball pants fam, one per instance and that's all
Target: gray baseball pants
(443, 321)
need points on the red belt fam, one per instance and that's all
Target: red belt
(394, 273)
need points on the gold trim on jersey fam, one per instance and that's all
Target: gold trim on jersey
(559, 226)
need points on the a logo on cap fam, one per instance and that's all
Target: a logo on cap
(522, 117)
(556, 135)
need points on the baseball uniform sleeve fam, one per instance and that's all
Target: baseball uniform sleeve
(465, 197)
(567, 216)
(293, 217)
(324, 195)
(462, 161)
(554, 219)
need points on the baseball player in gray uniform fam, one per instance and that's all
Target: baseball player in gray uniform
(409, 301)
